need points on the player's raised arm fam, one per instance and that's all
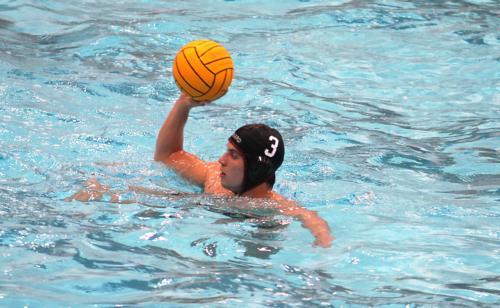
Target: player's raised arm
(170, 140)
(203, 71)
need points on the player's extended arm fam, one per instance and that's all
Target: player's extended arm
(310, 220)
(169, 143)
(95, 191)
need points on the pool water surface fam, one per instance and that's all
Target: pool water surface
(390, 111)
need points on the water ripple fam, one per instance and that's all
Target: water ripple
(389, 110)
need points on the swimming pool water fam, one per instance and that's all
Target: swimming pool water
(389, 111)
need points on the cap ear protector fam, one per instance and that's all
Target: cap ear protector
(263, 168)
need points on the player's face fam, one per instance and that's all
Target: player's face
(232, 169)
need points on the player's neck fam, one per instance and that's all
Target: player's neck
(260, 191)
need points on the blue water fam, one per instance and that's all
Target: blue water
(391, 115)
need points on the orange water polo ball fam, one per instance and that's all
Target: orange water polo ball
(203, 69)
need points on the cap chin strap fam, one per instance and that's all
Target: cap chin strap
(250, 188)
(263, 169)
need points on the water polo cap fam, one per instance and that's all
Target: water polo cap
(263, 150)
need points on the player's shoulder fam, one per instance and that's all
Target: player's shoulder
(213, 165)
(213, 169)
(212, 181)
(282, 200)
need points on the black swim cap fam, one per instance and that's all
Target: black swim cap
(263, 150)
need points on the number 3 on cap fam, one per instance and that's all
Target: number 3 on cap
(274, 146)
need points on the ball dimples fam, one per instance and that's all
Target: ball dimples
(203, 69)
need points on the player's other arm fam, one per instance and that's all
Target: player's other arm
(310, 220)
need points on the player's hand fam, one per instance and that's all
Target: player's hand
(189, 102)
(324, 241)
(93, 191)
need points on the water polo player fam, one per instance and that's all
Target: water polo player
(247, 168)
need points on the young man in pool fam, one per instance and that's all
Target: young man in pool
(247, 168)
